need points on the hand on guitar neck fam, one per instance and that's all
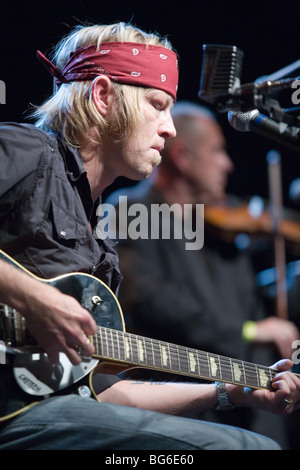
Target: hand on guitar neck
(187, 399)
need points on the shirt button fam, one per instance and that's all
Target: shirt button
(63, 233)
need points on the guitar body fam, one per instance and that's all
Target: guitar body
(29, 375)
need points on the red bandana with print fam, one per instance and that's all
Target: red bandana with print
(128, 62)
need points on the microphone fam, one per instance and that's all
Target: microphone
(254, 121)
(220, 81)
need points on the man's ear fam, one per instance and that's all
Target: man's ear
(102, 93)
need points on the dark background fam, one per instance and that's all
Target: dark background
(266, 30)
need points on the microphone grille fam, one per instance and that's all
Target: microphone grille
(221, 71)
(240, 121)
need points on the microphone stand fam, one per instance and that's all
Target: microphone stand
(274, 171)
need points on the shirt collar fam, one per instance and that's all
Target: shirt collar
(77, 175)
(73, 162)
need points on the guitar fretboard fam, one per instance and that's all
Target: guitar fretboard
(140, 351)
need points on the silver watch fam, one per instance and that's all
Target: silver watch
(222, 395)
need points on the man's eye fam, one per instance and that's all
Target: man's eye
(158, 105)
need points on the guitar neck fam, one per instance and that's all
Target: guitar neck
(134, 350)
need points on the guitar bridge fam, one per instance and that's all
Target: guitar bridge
(12, 326)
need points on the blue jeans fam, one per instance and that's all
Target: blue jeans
(72, 422)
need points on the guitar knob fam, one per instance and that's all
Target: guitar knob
(84, 391)
(96, 300)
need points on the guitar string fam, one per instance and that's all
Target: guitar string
(178, 354)
(244, 377)
(177, 349)
(181, 349)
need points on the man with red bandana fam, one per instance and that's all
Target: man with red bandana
(109, 116)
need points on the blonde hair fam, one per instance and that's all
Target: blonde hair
(71, 111)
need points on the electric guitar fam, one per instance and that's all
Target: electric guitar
(31, 376)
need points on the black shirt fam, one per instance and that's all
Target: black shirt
(198, 298)
(47, 215)
(46, 207)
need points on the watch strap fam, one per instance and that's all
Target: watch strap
(222, 395)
